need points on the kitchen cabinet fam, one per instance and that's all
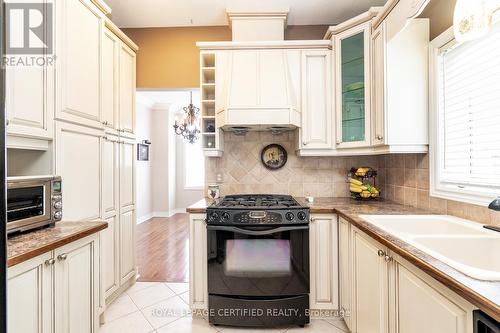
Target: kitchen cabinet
(31, 309)
(127, 86)
(394, 90)
(127, 174)
(127, 245)
(110, 237)
(56, 291)
(118, 82)
(323, 253)
(29, 104)
(317, 129)
(386, 293)
(77, 287)
(78, 162)
(110, 84)
(79, 62)
(198, 285)
(370, 284)
(420, 297)
(352, 70)
(345, 271)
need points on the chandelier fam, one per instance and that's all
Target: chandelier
(190, 126)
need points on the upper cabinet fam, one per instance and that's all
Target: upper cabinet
(79, 62)
(127, 91)
(118, 82)
(29, 101)
(352, 69)
(316, 132)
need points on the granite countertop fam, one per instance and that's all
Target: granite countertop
(483, 294)
(25, 246)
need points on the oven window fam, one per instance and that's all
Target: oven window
(24, 203)
(261, 258)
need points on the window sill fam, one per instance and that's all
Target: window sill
(470, 196)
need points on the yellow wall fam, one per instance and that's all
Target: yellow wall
(169, 58)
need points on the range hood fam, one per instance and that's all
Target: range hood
(262, 74)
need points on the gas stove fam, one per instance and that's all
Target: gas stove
(257, 209)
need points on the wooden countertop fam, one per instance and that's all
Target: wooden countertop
(483, 294)
(29, 245)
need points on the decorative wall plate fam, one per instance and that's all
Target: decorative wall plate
(273, 157)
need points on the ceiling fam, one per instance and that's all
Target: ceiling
(180, 13)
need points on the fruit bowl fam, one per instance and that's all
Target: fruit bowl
(360, 186)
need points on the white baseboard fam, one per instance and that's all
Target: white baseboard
(170, 213)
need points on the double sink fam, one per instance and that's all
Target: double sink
(461, 244)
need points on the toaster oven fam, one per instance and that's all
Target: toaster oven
(33, 202)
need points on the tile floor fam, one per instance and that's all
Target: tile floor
(163, 307)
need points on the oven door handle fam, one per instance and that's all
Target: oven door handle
(256, 232)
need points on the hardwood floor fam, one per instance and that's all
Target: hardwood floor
(163, 249)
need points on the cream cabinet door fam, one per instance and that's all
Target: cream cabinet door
(127, 86)
(371, 285)
(127, 174)
(127, 245)
(78, 162)
(30, 296)
(198, 285)
(79, 61)
(77, 287)
(110, 175)
(345, 280)
(378, 86)
(29, 101)
(420, 298)
(317, 114)
(110, 256)
(323, 244)
(110, 75)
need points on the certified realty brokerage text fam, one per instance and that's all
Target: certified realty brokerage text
(29, 34)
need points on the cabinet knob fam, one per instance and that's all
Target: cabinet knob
(380, 137)
(387, 258)
(62, 256)
(7, 122)
(304, 143)
(339, 142)
(381, 253)
(50, 262)
(105, 123)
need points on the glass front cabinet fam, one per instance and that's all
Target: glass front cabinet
(352, 68)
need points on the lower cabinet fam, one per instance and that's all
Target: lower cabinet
(198, 286)
(421, 297)
(323, 253)
(127, 245)
(56, 291)
(370, 283)
(388, 294)
(345, 271)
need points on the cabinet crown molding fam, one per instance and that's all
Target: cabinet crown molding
(287, 44)
(357, 20)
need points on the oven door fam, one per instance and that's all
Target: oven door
(28, 204)
(258, 261)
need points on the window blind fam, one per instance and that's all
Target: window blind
(469, 112)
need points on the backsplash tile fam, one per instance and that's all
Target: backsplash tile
(407, 182)
(243, 172)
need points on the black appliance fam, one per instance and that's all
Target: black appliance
(258, 261)
(484, 323)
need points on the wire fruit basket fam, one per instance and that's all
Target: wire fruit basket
(363, 184)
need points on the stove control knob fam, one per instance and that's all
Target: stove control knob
(213, 217)
(301, 216)
(225, 216)
(289, 216)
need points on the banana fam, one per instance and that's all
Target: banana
(355, 182)
(355, 189)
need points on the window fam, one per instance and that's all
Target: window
(465, 100)
(194, 166)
